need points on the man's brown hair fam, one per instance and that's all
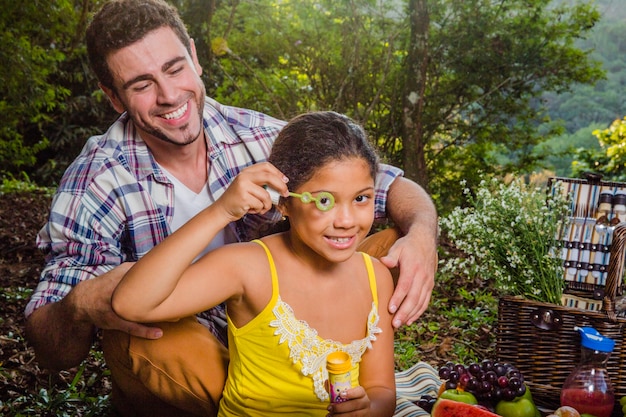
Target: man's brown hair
(120, 23)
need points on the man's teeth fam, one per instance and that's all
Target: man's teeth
(176, 114)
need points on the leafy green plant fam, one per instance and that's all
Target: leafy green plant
(11, 184)
(456, 326)
(405, 350)
(508, 234)
(610, 159)
(74, 399)
(15, 293)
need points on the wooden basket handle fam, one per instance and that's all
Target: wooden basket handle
(615, 270)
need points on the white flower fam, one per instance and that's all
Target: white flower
(507, 234)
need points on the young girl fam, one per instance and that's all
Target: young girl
(293, 297)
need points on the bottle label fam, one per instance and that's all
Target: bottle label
(338, 383)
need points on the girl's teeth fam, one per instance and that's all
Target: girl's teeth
(176, 114)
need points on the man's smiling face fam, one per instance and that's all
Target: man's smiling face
(158, 83)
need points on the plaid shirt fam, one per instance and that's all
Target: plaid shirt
(114, 203)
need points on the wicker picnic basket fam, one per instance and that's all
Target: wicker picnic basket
(545, 357)
(540, 340)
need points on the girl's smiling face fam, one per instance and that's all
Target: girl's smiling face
(334, 234)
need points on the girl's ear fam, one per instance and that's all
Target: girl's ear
(282, 207)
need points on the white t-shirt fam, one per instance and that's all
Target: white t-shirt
(187, 204)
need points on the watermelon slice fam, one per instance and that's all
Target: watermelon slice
(449, 408)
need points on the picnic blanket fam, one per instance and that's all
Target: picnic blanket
(411, 384)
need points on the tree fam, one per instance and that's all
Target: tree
(416, 71)
(49, 99)
(610, 159)
(447, 88)
(601, 103)
(291, 56)
(29, 34)
(488, 63)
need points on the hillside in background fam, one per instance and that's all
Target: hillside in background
(612, 9)
(586, 108)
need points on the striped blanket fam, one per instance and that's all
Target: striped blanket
(420, 379)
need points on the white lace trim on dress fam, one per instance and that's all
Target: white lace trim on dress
(310, 350)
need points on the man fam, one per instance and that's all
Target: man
(171, 153)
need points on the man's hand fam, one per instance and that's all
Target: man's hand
(415, 253)
(416, 260)
(91, 301)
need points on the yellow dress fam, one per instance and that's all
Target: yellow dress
(278, 363)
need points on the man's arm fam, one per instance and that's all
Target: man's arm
(62, 333)
(415, 253)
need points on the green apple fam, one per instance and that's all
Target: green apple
(459, 395)
(522, 406)
(519, 407)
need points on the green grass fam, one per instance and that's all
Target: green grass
(55, 396)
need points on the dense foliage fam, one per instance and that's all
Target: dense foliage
(471, 72)
(587, 108)
(48, 97)
(602, 102)
(610, 159)
(469, 83)
(29, 59)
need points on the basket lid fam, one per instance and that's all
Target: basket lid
(592, 339)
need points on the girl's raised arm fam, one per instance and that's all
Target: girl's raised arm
(164, 285)
(160, 286)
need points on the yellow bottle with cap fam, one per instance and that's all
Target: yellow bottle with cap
(338, 365)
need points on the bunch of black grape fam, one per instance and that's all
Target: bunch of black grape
(489, 381)
(427, 402)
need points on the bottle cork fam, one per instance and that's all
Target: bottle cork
(338, 365)
(619, 208)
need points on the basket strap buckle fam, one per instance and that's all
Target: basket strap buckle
(546, 319)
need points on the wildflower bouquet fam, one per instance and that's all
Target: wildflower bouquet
(509, 233)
